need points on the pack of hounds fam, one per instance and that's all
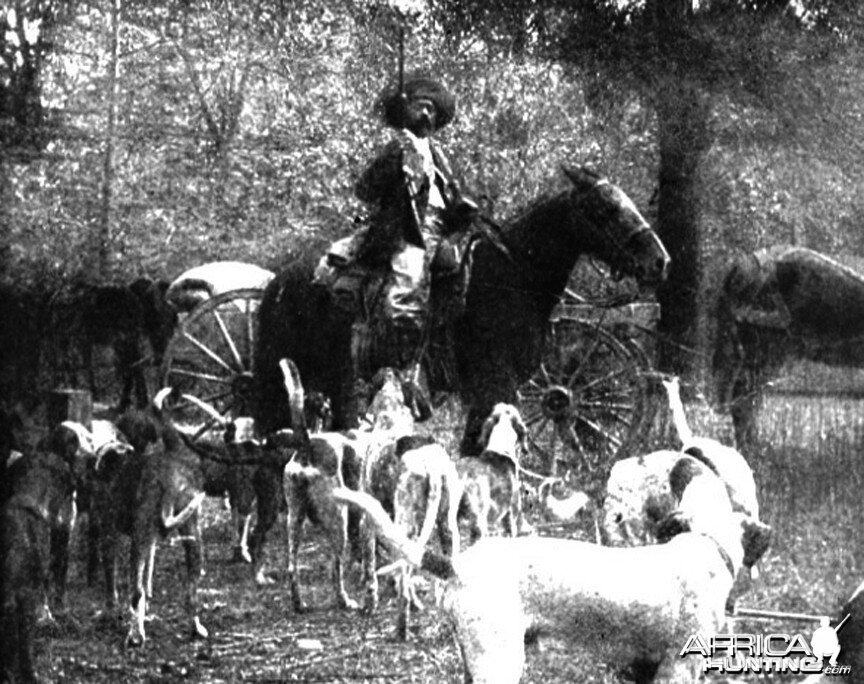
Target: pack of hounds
(680, 528)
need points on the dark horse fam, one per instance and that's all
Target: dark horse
(499, 337)
(777, 304)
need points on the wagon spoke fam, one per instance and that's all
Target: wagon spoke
(250, 334)
(600, 430)
(211, 399)
(208, 425)
(223, 328)
(532, 419)
(210, 357)
(545, 374)
(603, 378)
(204, 349)
(200, 376)
(596, 406)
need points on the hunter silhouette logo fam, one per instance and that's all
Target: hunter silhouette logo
(825, 642)
(771, 653)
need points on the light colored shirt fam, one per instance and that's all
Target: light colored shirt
(424, 150)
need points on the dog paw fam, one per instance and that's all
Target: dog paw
(199, 631)
(134, 639)
(44, 616)
(263, 580)
(240, 555)
(346, 603)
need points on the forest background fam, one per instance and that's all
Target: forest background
(144, 138)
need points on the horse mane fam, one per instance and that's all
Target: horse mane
(518, 230)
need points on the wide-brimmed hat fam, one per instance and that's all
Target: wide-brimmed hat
(390, 103)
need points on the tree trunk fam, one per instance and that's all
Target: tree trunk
(103, 263)
(683, 110)
(682, 121)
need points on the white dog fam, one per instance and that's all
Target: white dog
(632, 608)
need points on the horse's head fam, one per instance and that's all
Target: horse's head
(623, 238)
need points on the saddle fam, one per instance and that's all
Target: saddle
(358, 289)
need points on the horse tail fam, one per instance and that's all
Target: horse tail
(278, 314)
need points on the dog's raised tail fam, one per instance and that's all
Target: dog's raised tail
(431, 561)
(679, 418)
(170, 520)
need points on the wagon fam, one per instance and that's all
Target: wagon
(210, 355)
(588, 404)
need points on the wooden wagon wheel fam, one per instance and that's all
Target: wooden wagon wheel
(210, 358)
(589, 403)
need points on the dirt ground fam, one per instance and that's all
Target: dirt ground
(255, 636)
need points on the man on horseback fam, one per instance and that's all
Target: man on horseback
(417, 211)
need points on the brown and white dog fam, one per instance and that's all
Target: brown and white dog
(360, 459)
(491, 493)
(38, 517)
(428, 491)
(637, 491)
(726, 461)
(631, 608)
(146, 494)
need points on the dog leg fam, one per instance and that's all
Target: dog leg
(192, 548)
(108, 551)
(334, 520)
(370, 576)
(405, 599)
(151, 564)
(60, 564)
(92, 539)
(268, 491)
(491, 631)
(339, 535)
(240, 531)
(21, 594)
(295, 494)
(138, 603)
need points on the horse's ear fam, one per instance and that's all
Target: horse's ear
(582, 177)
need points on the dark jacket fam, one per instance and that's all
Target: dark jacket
(397, 189)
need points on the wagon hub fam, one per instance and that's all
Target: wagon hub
(556, 402)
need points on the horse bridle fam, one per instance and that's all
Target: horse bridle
(621, 247)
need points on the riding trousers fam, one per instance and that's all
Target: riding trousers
(407, 298)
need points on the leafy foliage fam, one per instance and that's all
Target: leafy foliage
(241, 126)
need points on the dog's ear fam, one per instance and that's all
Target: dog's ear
(379, 379)
(520, 428)
(139, 429)
(673, 525)
(108, 463)
(408, 442)
(486, 429)
(682, 474)
(64, 442)
(230, 433)
(756, 538)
